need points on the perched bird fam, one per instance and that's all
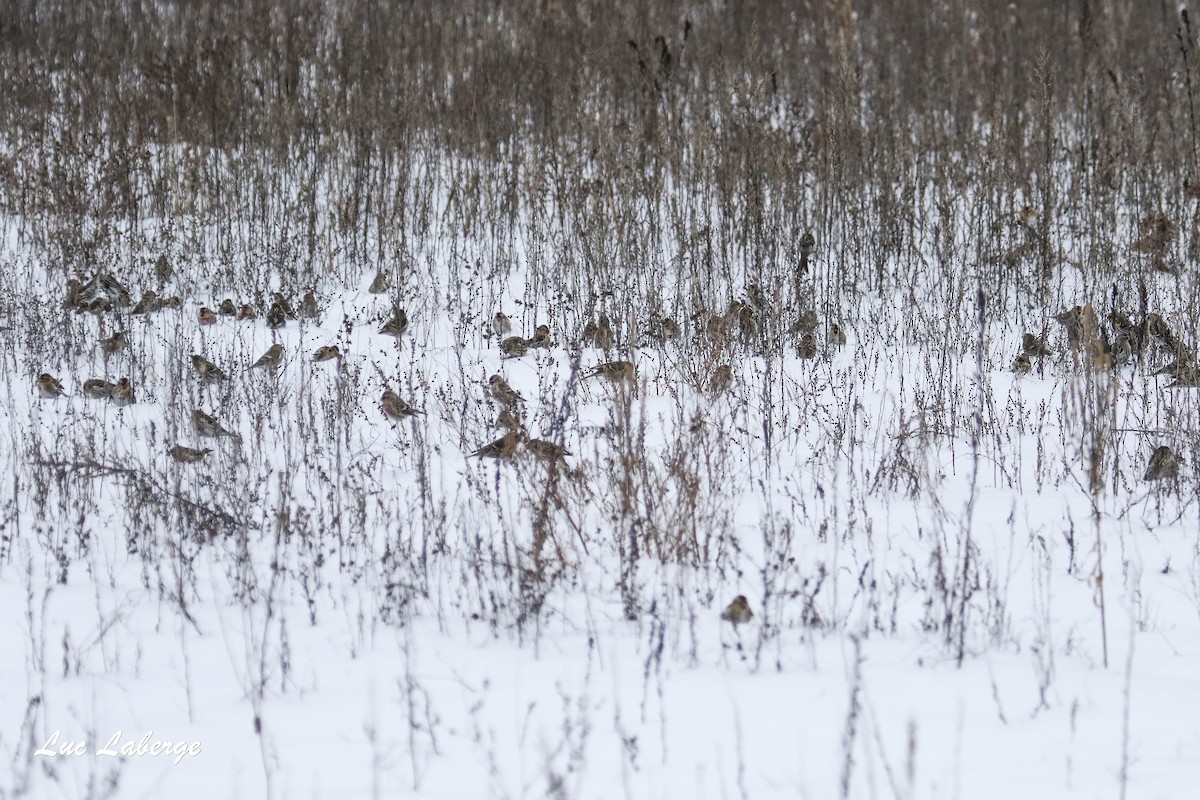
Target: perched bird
(227, 308)
(1101, 356)
(836, 336)
(395, 407)
(742, 315)
(118, 341)
(105, 285)
(284, 304)
(544, 450)
(806, 322)
(148, 304)
(1122, 350)
(599, 334)
(720, 380)
(1157, 328)
(308, 306)
(327, 353)
(615, 371)
(276, 316)
(100, 305)
(207, 317)
(1021, 364)
(208, 427)
(174, 301)
(1027, 217)
(380, 283)
(514, 347)
(48, 386)
(162, 268)
(808, 243)
(99, 389)
(503, 393)
(397, 325)
(1080, 323)
(122, 393)
(541, 337)
(1034, 346)
(270, 359)
(1163, 465)
(738, 612)
(74, 299)
(508, 421)
(807, 347)
(246, 312)
(208, 371)
(187, 455)
(501, 324)
(503, 448)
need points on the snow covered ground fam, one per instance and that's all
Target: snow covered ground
(338, 605)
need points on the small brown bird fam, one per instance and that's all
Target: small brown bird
(393, 406)
(1080, 323)
(208, 371)
(808, 243)
(1122, 350)
(599, 335)
(187, 455)
(1163, 465)
(1101, 356)
(615, 371)
(397, 325)
(276, 316)
(308, 306)
(501, 324)
(508, 421)
(270, 359)
(1027, 217)
(246, 312)
(162, 268)
(327, 353)
(503, 448)
(174, 301)
(283, 304)
(541, 338)
(1021, 365)
(1034, 346)
(208, 427)
(544, 450)
(74, 299)
(720, 380)
(206, 316)
(836, 336)
(807, 347)
(503, 393)
(227, 308)
(514, 347)
(148, 304)
(122, 393)
(99, 389)
(738, 612)
(117, 342)
(380, 283)
(806, 322)
(49, 387)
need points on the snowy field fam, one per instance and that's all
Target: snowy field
(962, 583)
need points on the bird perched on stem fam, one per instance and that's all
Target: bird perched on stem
(187, 455)
(122, 393)
(501, 324)
(503, 448)
(808, 243)
(270, 359)
(614, 371)
(738, 612)
(1034, 346)
(545, 451)
(397, 325)
(503, 393)
(208, 427)
(98, 389)
(49, 387)
(1164, 465)
(276, 316)
(541, 338)
(206, 316)
(327, 353)
(208, 371)
(227, 308)
(395, 407)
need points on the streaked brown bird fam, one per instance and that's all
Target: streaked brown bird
(540, 338)
(380, 283)
(276, 316)
(208, 427)
(227, 308)
(270, 359)
(1164, 465)
(614, 371)
(115, 343)
(807, 347)
(514, 347)
(544, 450)
(246, 312)
(503, 448)
(148, 304)
(206, 316)
(1034, 346)
(327, 353)
(188, 455)
(720, 380)
(806, 322)
(836, 336)
(808, 244)
(397, 325)
(501, 324)
(208, 371)
(308, 306)
(1021, 364)
(395, 407)
(503, 393)
(738, 612)
(122, 393)
(507, 420)
(98, 389)
(49, 387)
